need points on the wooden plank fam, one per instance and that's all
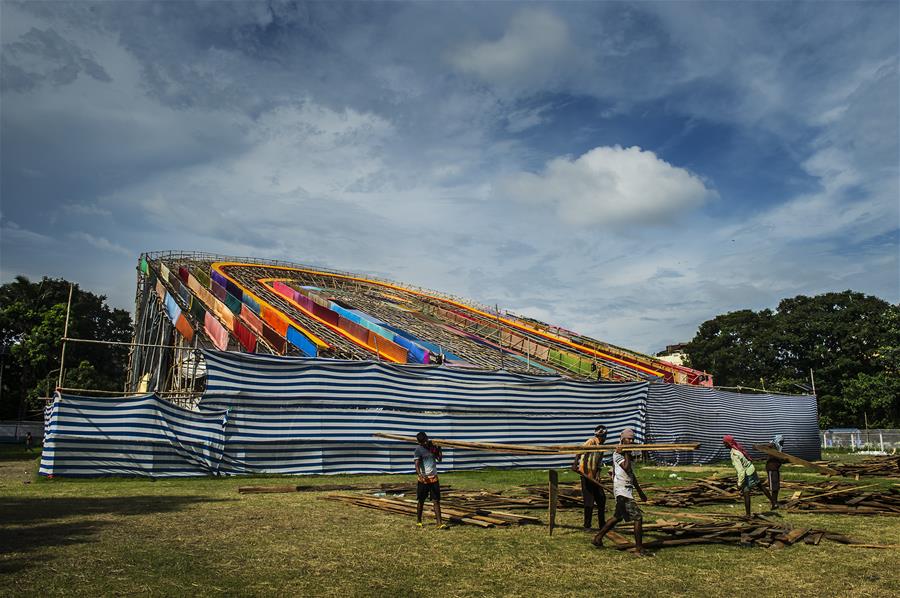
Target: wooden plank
(534, 449)
(764, 448)
(554, 498)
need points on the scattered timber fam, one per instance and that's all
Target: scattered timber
(830, 496)
(886, 466)
(760, 531)
(455, 514)
(389, 488)
(536, 449)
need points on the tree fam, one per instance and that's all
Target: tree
(737, 348)
(843, 338)
(32, 319)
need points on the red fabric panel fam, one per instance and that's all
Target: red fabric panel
(273, 338)
(251, 319)
(216, 332)
(245, 337)
(183, 274)
(354, 329)
(184, 327)
(323, 313)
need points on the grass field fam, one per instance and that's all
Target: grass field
(200, 537)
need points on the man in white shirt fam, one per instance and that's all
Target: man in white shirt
(624, 485)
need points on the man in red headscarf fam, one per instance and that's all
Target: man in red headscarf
(747, 478)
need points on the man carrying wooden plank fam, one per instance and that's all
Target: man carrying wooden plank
(427, 456)
(624, 485)
(773, 470)
(588, 467)
(747, 478)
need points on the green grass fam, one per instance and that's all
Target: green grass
(200, 537)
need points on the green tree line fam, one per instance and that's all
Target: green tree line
(32, 319)
(849, 341)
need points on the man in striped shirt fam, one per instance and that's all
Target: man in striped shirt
(588, 467)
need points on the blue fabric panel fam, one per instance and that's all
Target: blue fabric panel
(251, 303)
(218, 277)
(296, 338)
(172, 309)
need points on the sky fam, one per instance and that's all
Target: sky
(625, 170)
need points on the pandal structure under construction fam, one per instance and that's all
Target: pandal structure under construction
(188, 300)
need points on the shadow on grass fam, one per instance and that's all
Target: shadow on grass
(26, 526)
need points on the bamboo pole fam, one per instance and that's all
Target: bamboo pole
(531, 449)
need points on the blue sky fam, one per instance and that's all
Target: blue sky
(624, 170)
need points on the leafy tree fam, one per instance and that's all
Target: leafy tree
(846, 339)
(32, 320)
(737, 348)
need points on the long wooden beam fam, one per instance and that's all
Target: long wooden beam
(535, 449)
(765, 448)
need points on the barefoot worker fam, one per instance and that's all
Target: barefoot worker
(427, 456)
(747, 479)
(773, 470)
(624, 485)
(588, 465)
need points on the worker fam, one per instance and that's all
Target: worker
(588, 465)
(427, 456)
(625, 482)
(773, 469)
(747, 479)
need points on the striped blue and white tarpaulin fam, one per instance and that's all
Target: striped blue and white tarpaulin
(298, 415)
(680, 413)
(143, 435)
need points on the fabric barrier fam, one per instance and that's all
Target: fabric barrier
(144, 435)
(680, 413)
(302, 416)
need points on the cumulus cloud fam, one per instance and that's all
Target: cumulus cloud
(531, 51)
(610, 186)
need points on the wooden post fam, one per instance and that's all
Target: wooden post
(553, 498)
(62, 355)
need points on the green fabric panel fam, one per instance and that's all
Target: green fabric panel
(233, 303)
(201, 276)
(144, 267)
(197, 311)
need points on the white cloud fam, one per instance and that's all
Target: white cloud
(610, 186)
(532, 51)
(101, 243)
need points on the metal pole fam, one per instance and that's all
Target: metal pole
(62, 355)
(812, 380)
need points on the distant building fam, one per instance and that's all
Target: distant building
(674, 354)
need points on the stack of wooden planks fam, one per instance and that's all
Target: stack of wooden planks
(698, 492)
(759, 531)
(887, 466)
(854, 500)
(454, 513)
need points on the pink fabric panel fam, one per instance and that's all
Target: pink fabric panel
(216, 332)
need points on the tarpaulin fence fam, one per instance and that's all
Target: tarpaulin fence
(300, 416)
(682, 413)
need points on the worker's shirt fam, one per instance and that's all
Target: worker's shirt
(622, 482)
(589, 464)
(427, 464)
(742, 465)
